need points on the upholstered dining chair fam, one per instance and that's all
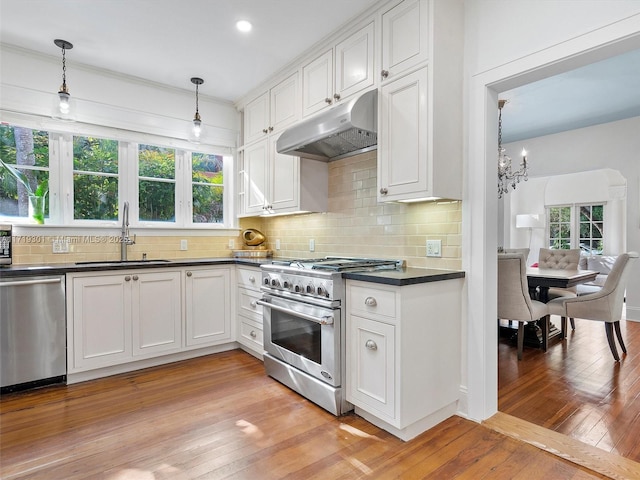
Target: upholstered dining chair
(604, 306)
(514, 301)
(560, 259)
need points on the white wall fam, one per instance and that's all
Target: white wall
(508, 44)
(29, 83)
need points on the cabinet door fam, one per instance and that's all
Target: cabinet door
(354, 62)
(256, 119)
(101, 321)
(285, 179)
(403, 157)
(284, 103)
(156, 312)
(256, 165)
(404, 37)
(317, 84)
(371, 366)
(208, 306)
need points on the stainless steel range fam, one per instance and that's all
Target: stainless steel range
(304, 325)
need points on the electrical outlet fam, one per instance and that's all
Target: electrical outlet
(434, 248)
(312, 245)
(232, 244)
(183, 244)
(278, 244)
(61, 246)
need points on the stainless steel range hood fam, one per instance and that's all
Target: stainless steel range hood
(345, 129)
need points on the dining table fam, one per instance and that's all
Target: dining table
(540, 280)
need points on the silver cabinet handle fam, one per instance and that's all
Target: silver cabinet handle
(252, 279)
(336, 96)
(324, 320)
(383, 191)
(270, 129)
(252, 334)
(384, 73)
(370, 302)
(189, 274)
(127, 278)
(371, 345)
(328, 101)
(19, 283)
(264, 130)
(135, 277)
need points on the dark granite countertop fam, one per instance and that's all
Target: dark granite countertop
(404, 276)
(398, 277)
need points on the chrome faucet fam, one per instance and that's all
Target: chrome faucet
(125, 240)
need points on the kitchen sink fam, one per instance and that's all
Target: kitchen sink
(124, 262)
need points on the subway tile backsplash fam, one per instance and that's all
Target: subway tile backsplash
(355, 225)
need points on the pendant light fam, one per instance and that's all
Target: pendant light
(63, 104)
(196, 130)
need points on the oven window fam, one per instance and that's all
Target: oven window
(297, 335)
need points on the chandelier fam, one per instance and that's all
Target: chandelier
(506, 176)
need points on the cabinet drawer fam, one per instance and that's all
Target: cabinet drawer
(247, 304)
(249, 278)
(366, 300)
(251, 333)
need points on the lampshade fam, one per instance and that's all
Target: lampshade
(529, 220)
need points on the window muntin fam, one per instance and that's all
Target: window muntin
(95, 179)
(207, 188)
(591, 228)
(28, 151)
(156, 184)
(577, 226)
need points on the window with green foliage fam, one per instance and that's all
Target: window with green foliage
(156, 183)
(591, 225)
(95, 179)
(578, 226)
(207, 190)
(27, 151)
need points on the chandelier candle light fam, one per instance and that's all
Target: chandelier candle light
(506, 176)
(62, 108)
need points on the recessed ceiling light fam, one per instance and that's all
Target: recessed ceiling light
(244, 26)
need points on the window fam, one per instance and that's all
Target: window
(95, 179)
(27, 151)
(207, 188)
(577, 226)
(156, 184)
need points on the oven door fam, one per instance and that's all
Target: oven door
(303, 335)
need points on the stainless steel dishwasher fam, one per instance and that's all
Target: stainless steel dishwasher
(33, 339)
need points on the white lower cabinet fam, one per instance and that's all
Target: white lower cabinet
(403, 353)
(207, 305)
(249, 312)
(123, 320)
(117, 316)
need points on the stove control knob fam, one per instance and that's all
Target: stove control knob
(266, 281)
(298, 288)
(275, 282)
(322, 291)
(286, 284)
(310, 288)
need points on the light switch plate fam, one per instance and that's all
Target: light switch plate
(232, 244)
(61, 246)
(183, 244)
(434, 248)
(277, 244)
(312, 245)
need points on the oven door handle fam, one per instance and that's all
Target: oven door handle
(324, 320)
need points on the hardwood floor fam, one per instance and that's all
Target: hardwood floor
(576, 388)
(221, 417)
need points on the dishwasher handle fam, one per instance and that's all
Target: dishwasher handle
(19, 283)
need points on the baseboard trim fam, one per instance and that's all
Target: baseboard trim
(575, 451)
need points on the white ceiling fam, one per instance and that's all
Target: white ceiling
(170, 41)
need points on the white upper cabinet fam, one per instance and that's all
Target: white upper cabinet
(405, 39)
(340, 72)
(273, 110)
(420, 111)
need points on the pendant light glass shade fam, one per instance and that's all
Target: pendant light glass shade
(63, 104)
(195, 134)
